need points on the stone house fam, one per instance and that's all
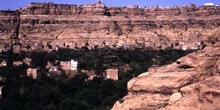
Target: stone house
(32, 72)
(197, 45)
(65, 65)
(74, 65)
(111, 74)
(17, 63)
(54, 68)
(70, 68)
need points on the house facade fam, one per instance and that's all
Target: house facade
(74, 65)
(32, 72)
(111, 74)
(69, 65)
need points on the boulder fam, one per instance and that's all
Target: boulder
(175, 97)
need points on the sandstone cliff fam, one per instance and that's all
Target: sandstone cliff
(48, 25)
(190, 83)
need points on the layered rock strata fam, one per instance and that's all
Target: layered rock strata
(190, 83)
(48, 25)
(9, 28)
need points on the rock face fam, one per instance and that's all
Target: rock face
(190, 83)
(9, 28)
(48, 25)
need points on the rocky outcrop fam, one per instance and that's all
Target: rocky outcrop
(190, 83)
(48, 26)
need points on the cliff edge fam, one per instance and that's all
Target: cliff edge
(190, 83)
(48, 26)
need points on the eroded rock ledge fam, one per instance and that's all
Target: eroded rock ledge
(190, 83)
(45, 26)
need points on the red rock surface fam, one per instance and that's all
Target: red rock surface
(70, 26)
(190, 83)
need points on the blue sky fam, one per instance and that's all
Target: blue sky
(14, 4)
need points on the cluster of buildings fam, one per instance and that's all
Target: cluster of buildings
(26, 61)
(69, 68)
(56, 68)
